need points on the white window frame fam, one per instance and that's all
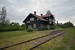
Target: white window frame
(50, 19)
(34, 25)
(31, 19)
(29, 26)
(28, 21)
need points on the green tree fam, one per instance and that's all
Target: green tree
(14, 26)
(68, 24)
(3, 15)
(23, 26)
(49, 13)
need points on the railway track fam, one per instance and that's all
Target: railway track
(37, 41)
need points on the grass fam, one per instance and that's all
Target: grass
(9, 38)
(64, 42)
(5, 35)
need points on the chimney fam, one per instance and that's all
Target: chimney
(41, 14)
(34, 12)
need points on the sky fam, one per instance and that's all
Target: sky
(17, 10)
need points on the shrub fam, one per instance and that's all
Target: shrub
(68, 24)
(65, 25)
(22, 27)
(41, 29)
(30, 29)
(52, 27)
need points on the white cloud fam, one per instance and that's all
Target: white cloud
(18, 9)
(11, 1)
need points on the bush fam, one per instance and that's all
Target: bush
(22, 27)
(9, 27)
(41, 29)
(52, 27)
(2, 29)
(68, 24)
(65, 25)
(30, 29)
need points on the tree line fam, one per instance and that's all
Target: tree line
(5, 24)
(11, 27)
(65, 25)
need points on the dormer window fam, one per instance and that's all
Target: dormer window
(31, 19)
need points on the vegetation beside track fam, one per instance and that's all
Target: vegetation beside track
(64, 42)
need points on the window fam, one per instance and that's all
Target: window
(31, 19)
(50, 19)
(37, 19)
(28, 21)
(29, 26)
(46, 18)
(34, 25)
(50, 22)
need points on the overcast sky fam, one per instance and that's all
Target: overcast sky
(17, 10)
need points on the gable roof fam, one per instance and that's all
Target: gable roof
(39, 17)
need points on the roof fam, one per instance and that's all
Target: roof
(39, 17)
